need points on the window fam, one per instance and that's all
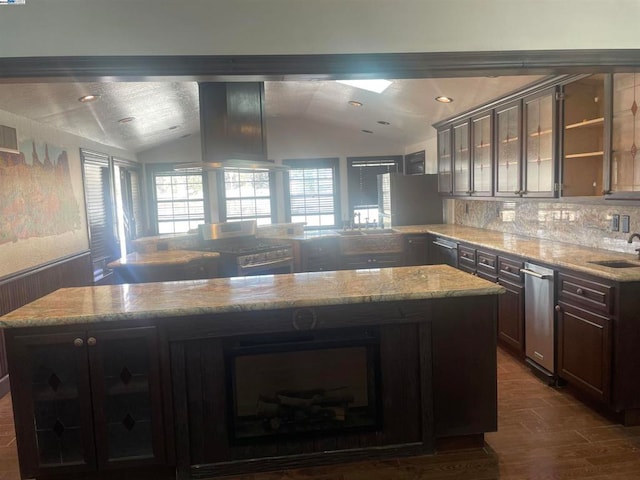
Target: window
(103, 238)
(362, 179)
(179, 200)
(312, 191)
(247, 195)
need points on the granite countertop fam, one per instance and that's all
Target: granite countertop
(551, 252)
(162, 257)
(82, 305)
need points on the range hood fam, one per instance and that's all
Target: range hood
(233, 127)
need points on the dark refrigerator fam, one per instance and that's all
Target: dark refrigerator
(408, 200)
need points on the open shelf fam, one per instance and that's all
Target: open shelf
(584, 155)
(586, 123)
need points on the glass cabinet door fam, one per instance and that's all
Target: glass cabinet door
(461, 159)
(584, 145)
(539, 171)
(625, 158)
(482, 154)
(508, 150)
(445, 185)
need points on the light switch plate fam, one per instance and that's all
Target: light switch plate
(625, 223)
(615, 223)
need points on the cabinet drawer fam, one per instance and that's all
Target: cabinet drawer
(487, 263)
(579, 291)
(466, 257)
(509, 269)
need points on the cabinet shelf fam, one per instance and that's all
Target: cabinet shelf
(586, 123)
(584, 155)
(541, 133)
(537, 160)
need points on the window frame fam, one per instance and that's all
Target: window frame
(353, 173)
(222, 196)
(154, 169)
(315, 163)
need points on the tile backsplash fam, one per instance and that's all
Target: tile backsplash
(587, 225)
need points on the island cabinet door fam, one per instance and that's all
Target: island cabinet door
(127, 397)
(52, 403)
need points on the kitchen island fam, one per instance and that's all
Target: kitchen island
(231, 375)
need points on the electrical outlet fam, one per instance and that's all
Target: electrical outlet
(625, 223)
(615, 223)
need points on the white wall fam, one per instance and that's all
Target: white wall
(224, 27)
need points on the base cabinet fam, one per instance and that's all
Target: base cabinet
(511, 316)
(584, 350)
(416, 250)
(87, 401)
(371, 260)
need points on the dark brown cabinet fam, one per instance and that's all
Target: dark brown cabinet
(4, 370)
(319, 255)
(87, 401)
(511, 305)
(467, 259)
(416, 250)
(193, 270)
(584, 350)
(585, 334)
(370, 260)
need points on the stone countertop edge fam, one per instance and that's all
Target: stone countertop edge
(161, 257)
(111, 303)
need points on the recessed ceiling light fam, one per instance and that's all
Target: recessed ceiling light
(173, 127)
(127, 119)
(88, 98)
(443, 99)
(186, 135)
(367, 131)
(353, 103)
(376, 86)
(382, 122)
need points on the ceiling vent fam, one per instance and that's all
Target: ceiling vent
(8, 140)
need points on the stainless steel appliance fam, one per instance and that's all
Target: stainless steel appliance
(539, 319)
(241, 253)
(444, 251)
(408, 200)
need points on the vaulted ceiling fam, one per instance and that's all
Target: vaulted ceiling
(165, 111)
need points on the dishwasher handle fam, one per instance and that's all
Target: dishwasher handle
(526, 271)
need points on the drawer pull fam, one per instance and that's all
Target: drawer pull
(91, 341)
(484, 261)
(558, 308)
(580, 291)
(507, 268)
(78, 342)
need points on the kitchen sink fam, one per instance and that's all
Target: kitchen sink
(615, 263)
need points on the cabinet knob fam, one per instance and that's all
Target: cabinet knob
(580, 291)
(507, 268)
(78, 342)
(91, 341)
(483, 261)
(558, 308)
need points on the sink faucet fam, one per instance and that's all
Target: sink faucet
(630, 240)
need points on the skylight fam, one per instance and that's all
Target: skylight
(377, 86)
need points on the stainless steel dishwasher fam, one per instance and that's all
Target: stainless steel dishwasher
(539, 317)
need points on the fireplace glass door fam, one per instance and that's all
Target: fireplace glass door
(301, 385)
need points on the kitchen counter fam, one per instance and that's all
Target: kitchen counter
(553, 253)
(83, 305)
(162, 257)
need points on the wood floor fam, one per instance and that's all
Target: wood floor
(544, 434)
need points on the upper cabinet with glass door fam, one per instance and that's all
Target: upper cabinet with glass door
(445, 180)
(482, 154)
(625, 158)
(539, 145)
(461, 159)
(584, 144)
(508, 152)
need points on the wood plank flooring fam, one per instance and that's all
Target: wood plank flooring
(544, 434)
